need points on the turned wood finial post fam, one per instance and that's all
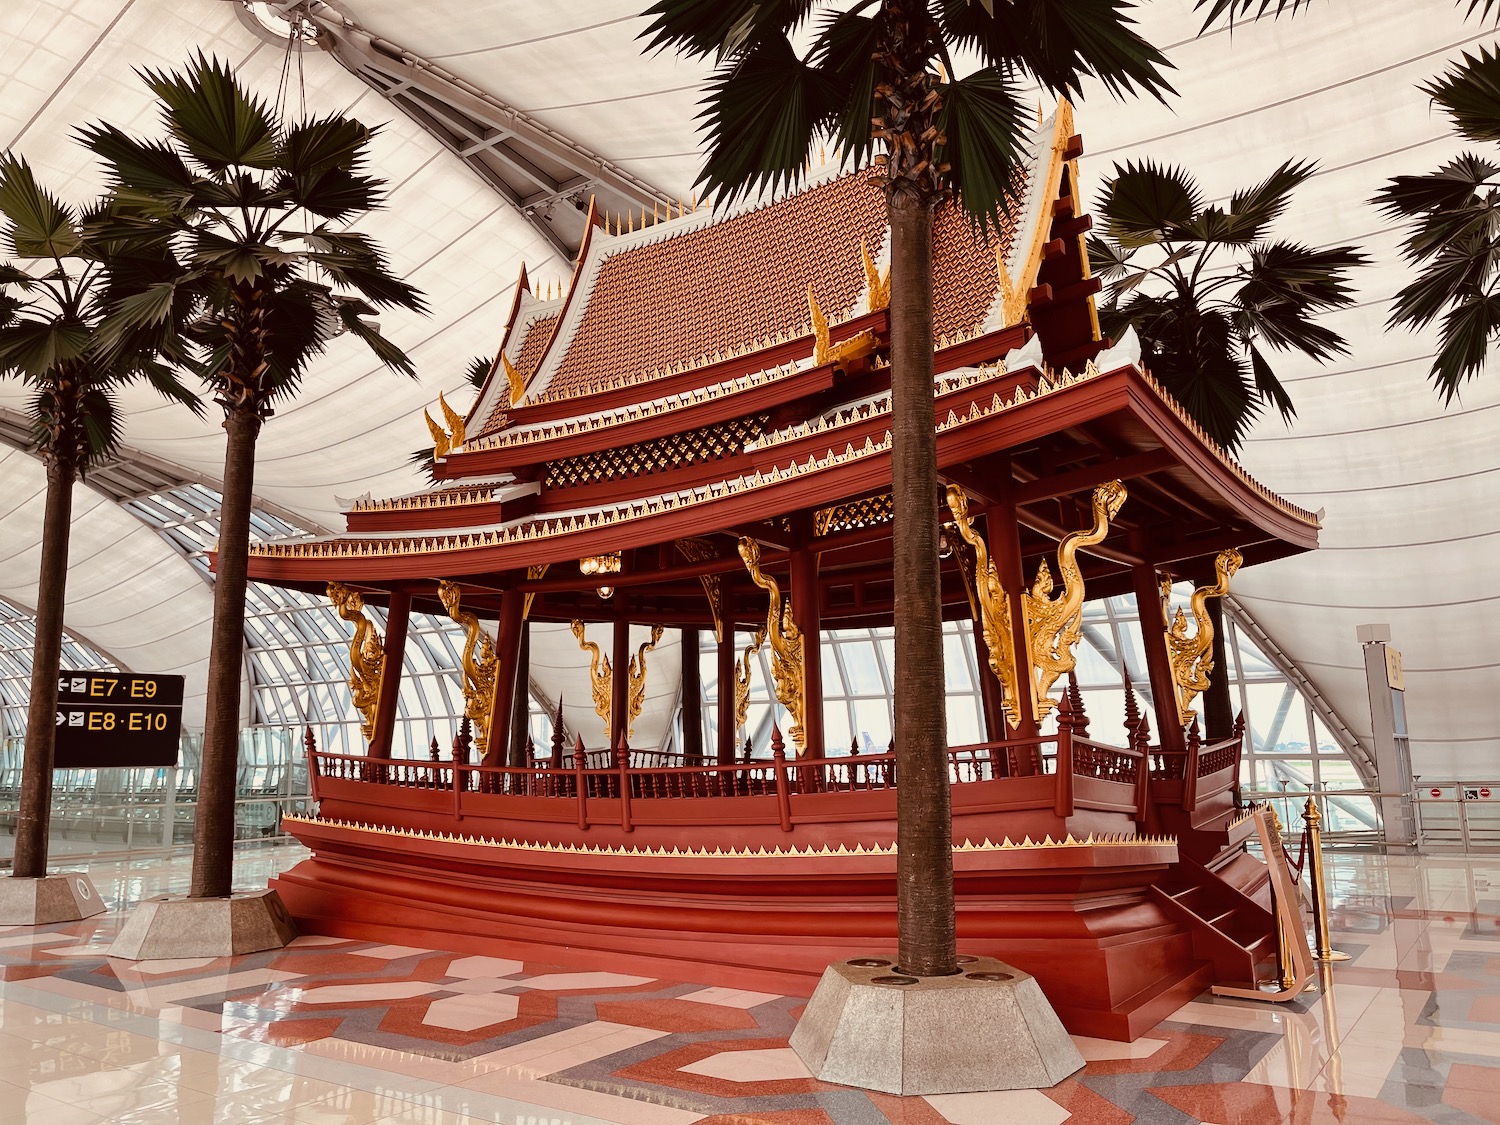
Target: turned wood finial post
(622, 766)
(1190, 766)
(557, 733)
(580, 782)
(1063, 784)
(309, 740)
(783, 785)
(1132, 711)
(1075, 698)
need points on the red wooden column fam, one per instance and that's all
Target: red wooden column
(1158, 666)
(507, 659)
(619, 696)
(991, 698)
(390, 677)
(727, 660)
(807, 614)
(692, 698)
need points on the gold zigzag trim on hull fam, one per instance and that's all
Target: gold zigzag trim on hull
(1005, 845)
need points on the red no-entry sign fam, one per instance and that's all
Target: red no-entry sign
(1436, 792)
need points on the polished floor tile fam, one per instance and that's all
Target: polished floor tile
(331, 1031)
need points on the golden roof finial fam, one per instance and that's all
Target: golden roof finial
(655, 213)
(517, 383)
(455, 422)
(439, 438)
(879, 286)
(631, 213)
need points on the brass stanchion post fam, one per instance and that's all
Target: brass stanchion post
(1323, 948)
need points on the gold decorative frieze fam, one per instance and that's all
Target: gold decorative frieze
(366, 655)
(694, 447)
(787, 650)
(444, 498)
(479, 666)
(1055, 623)
(637, 699)
(742, 680)
(986, 845)
(1192, 657)
(870, 511)
(601, 674)
(993, 608)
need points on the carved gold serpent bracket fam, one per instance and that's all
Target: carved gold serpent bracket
(637, 672)
(1055, 624)
(601, 675)
(787, 650)
(480, 666)
(366, 655)
(701, 550)
(742, 680)
(993, 606)
(1191, 658)
(861, 344)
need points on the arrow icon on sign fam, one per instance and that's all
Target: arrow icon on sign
(61, 718)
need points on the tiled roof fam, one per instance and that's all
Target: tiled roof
(538, 333)
(745, 278)
(965, 277)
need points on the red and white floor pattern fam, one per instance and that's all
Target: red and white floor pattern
(338, 1032)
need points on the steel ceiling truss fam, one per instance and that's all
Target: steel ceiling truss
(545, 176)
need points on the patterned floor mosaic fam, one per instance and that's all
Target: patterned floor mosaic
(336, 1032)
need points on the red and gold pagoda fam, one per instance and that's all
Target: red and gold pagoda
(694, 435)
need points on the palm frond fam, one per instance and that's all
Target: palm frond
(761, 112)
(1269, 386)
(700, 28)
(983, 120)
(36, 224)
(478, 371)
(385, 351)
(1467, 332)
(1231, 10)
(1145, 203)
(1470, 93)
(845, 48)
(34, 348)
(213, 118)
(141, 172)
(1253, 209)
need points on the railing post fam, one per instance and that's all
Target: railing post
(458, 787)
(1190, 768)
(1064, 775)
(783, 788)
(581, 783)
(622, 765)
(1140, 741)
(1323, 947)
(310, 745)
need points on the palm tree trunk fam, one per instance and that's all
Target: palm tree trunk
(213, 831)
(924, 826)
(46, 656)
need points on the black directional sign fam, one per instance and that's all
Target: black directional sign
(117, 719)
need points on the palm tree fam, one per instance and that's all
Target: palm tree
(1454, 218)
(50, 317)
(1206, 290)
(942, 137)
(255, 209)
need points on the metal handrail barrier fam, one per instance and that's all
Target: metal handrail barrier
(1460, 814)
(1349, 816)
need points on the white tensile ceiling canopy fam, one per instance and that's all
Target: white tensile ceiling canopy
(499, 118)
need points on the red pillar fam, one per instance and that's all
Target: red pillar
(1158, 666)
(390, 677)
(507, 658)
(692, 699)
(727, 660)
(619, 706)
(1004, 535)
(807, 614)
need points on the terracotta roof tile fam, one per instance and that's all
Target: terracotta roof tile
(538, 334)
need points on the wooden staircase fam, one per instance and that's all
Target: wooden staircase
(1228, 926)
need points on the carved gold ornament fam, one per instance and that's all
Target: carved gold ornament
(1054, 624)
(701, 550)
(1192, 657)
(742, 680)
(514, 377)
(878, 284)
(449, 440)
(366, 655)
(638, 679)
(993, 611)
(824, 351)
(534, 572)
(601, 675)
(787, 655)
(479, 664)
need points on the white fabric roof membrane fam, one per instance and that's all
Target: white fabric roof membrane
(1408, 486)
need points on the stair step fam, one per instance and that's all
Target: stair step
(1218, 920)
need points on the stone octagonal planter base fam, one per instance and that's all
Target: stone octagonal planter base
(173, 926)
(988, 1028)
(52, 898)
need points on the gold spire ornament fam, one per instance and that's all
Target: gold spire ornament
(366, 655)
(514, 378)
(440, 443)
(601, 674)
(787, 651)
(877, 283)
(455, 422)
(479, 666)
(1191, 657)
(993, 607)
(1054, 624)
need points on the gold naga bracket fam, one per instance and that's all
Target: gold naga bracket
(449, 440)
(637, 672)
(742, 680)
(787, 650)
(1191, 657)
(701, 550)
(993, 608)
(601, 674)
(366, 655)
(480, 666)
(1055, 624)
(845, 351)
